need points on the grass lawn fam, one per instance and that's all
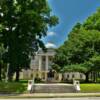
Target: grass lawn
(12, 87)
(21, 87)
(90, 87)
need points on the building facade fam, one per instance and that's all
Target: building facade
(41, 65)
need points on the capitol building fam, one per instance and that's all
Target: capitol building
(42, 63)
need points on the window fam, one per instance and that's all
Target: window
(81, 76)
(68, 76)
(73, 76)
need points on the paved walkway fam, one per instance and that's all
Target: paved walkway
(86, 98)
(50, 95)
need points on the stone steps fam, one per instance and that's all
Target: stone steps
(53, 88)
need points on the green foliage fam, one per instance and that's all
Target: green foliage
(80, 52)
(22, 25)
(23, 81)
(56, 67)
(38, 80)
(93, 21)
(12, 87)
(78, 49)
(60, 57)
(94, 62)
(75, 68)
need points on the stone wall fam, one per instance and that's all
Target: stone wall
(73, 75)
(30, 74)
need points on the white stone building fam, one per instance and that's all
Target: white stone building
(41, 64)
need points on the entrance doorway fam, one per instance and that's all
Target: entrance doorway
(50, 75)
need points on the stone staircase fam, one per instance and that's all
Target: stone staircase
(53, 88)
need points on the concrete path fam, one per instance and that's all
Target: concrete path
(88, 98)
(50, 95)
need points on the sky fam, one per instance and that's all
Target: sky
(69, 13)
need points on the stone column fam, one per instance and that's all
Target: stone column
(46, 67)
(60, 77)
(40, 63)
(47, 63)
(40, 66)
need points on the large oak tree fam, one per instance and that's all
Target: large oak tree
(22, 25)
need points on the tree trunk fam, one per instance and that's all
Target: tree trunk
(87, 77)
(94, 77)
(0, 73)
(17, 75)
(10, 73)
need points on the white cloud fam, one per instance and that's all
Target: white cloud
(51, 33)
(50, 45)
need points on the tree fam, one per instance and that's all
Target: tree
(23, 23)
(61, 58)
(79, 49)
(94, 62)
(93, 21)
(2, 50)
(82, 68)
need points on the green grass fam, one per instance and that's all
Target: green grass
(90, 87)
(21, 87)
(12, 87)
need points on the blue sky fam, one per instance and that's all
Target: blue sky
(69, 13)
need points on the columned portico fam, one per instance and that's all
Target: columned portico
(47, 63)
(40, 66)
(40, 62)
(44, 65)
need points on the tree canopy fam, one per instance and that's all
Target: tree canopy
(22, 25)
(81, 51)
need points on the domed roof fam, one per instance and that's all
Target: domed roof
(50, 45)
